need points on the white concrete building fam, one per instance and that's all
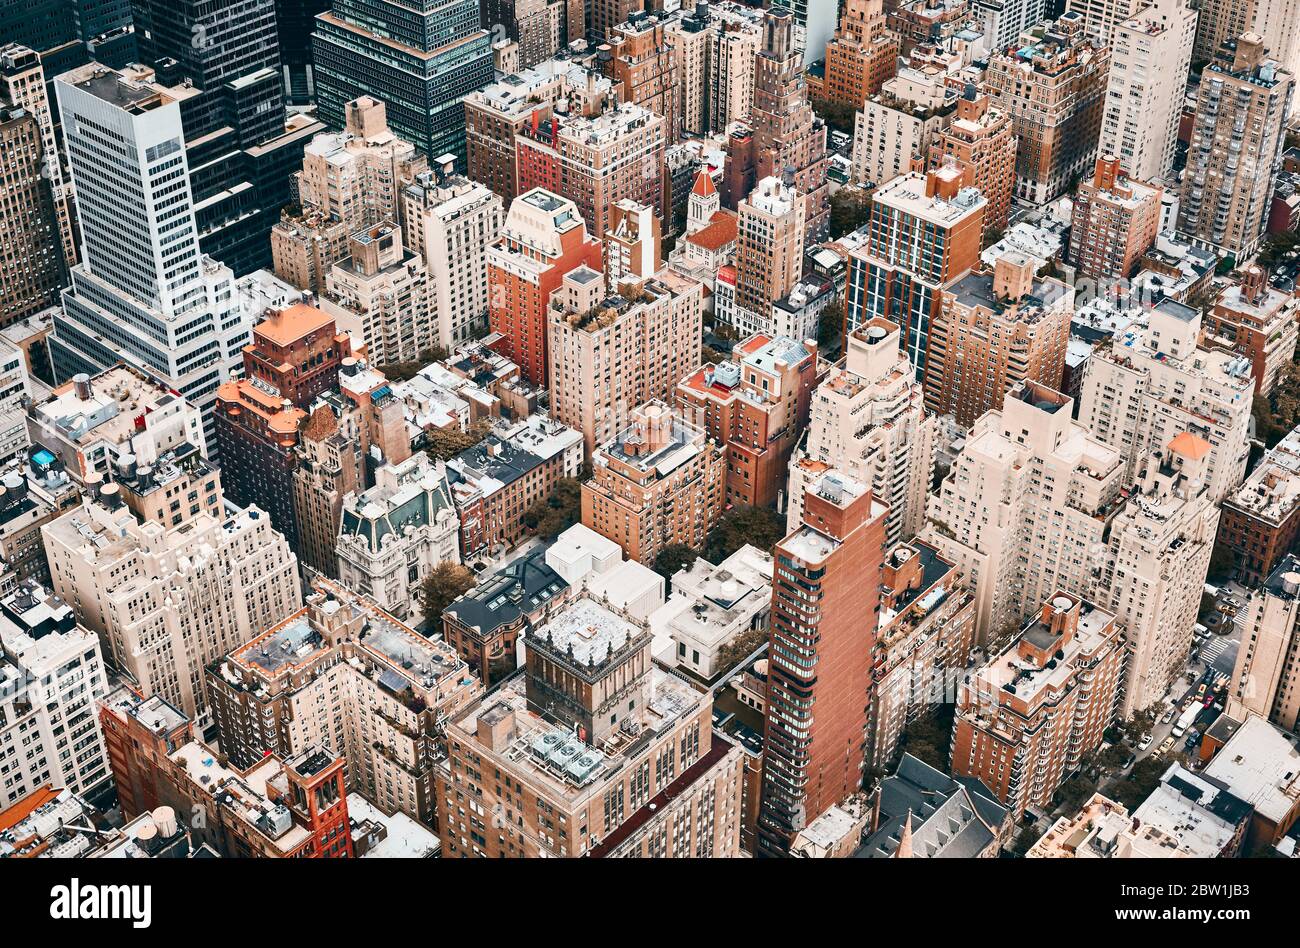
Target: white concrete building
(51, 680)
(395, 533)
(1149, 384)
(898, 124)
(868, 421)
(1024, 507)
(450, 221)
(166, 602)
(1149, 58)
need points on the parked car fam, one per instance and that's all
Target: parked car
(1145, 742)
(1169, 715)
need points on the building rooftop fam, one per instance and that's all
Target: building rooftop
(1260, 765)
(1272, 491)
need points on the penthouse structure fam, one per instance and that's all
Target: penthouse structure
(922, 644)
(36, 491)
(868, 421)
(396, 532)
(345, 675)
(1030, 716)
(542, 241)
(603, 753)
(1256, 320)
(275, 809)
(51, 679)
(166, 600)
(1023, 506)
(992, 332)
(1052, 82)
(825, 583)
(1261, 518)
(757, 406)
(923, 236)
(610, 354)
(1114, 222)
(1149, 384)
(659, 481)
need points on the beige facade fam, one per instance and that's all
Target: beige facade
(1266, 679)
(895, 128)
(166, 602)
(380, 294)
(769, 246)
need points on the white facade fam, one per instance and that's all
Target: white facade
(1147, 385)
(143, 293)
(49, 692)
(1149, 58)
(166, 602)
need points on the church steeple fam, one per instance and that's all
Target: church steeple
(703, 203)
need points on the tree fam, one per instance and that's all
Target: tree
(401, 371)
(739, 648)
(928, 737)
(836, 115)
(830, 326)
(1140, 782)
(555, 513)
(1222, 563)
(850, 209)
(446, 583)
(672, 559)
(758, 526)
(443, 444)
(1074, 793)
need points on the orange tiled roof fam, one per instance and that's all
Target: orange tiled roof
(703, 184)
(1190, 446)
(720, 231)
(292, 323)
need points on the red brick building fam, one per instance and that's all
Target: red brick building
(825, 608)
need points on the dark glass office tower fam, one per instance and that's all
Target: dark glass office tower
(296, 19)
(421, 57)
(240, 150)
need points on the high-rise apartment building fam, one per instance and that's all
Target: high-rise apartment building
(1024, 507)
(643, 62)
(421, 57)
(825, 608)
(659, 481)
(1148, 385)
(1029, 717)
(756, 405)
(222, 63)
(600, 751)
(538, 28)
(867, 420)
(342, 674)
(1235, 151)
(611, 353)
(1052, 83)
(921, 647)
(924, 235)
(32, 267)
(451, 221)
(349, 181)
(861, 55)
(165, 601)
(596, 160)
(1114, 222)
(379, 293)
(1276, 22)
(1004, 20)
(51, 681)
(1150, 53)
(895, 128)
(294, 356)
(769, 252)
(992, 332)
(144, 293)
(1101, 17)
(543, 239)
(788, 135)
(1152, 571)
(1264, 681)
(982, 141)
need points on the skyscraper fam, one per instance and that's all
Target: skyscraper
(825, 603)
(221, 62)
(421, 57)
(144, 293)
